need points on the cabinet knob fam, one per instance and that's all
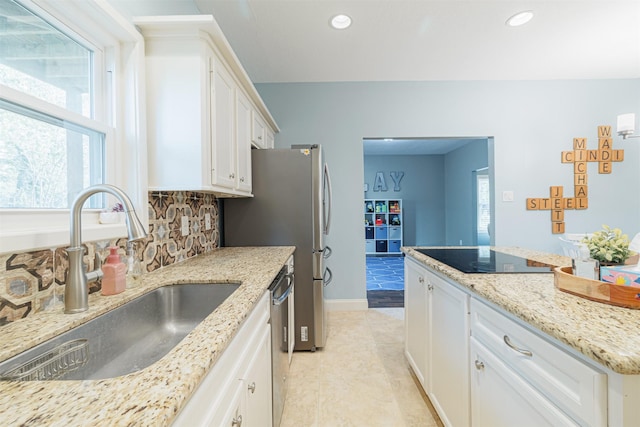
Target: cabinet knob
(242, 179)
(237, 421)
(420, 279)
(430, 286)
(232, 175)
(252, 387)
(260, 137)
(479, 365)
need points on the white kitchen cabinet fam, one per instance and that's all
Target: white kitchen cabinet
(256, 383)
(501, 398)
(258, 131)
(578, 390)
(200, 108)
(223, 143)
(243, 146)
(238, 387)
(448, 355)
(436, 341)
(271, 139)
(416, 314)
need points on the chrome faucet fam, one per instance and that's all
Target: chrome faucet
(76, 292)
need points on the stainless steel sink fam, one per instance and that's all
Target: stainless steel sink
(124, 340)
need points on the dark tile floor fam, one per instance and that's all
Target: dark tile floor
(385, 273)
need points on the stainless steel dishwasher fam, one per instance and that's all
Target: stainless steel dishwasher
(281, 291)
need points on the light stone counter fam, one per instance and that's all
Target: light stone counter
(607, 334)
(152, 396)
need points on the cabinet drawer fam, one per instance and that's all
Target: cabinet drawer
(575, 387)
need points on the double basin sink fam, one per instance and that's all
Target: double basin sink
(124, 340)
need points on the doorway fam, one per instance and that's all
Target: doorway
(441, 187)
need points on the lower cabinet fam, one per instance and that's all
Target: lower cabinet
(237, 390)
(501, 398)
(547, 383)
(482, 367)
(437, 341)
(448, 355)
(416, 314)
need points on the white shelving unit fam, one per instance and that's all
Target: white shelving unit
(383, 226)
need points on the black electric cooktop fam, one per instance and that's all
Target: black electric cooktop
(485, 260)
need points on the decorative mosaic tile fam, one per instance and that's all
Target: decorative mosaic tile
(24, 278)
(34, 281)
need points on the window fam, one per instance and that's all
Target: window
(69, 72)
(46, 156)
(483, 208)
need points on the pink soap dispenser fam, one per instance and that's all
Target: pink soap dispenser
(114, 279)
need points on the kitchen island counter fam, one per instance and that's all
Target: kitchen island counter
(154, 395)
(603, 333)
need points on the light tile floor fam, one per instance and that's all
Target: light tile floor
(360, 378)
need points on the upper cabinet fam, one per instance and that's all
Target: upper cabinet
(204, 114)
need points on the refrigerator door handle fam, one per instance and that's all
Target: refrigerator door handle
(325, 280)
(326, 253)
(327, 212)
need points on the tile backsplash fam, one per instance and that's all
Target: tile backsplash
(34, 281)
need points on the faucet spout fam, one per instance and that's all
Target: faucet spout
(76, 293)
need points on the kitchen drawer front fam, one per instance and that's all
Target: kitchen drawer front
(575, 387)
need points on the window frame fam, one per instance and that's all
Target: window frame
(118, 112)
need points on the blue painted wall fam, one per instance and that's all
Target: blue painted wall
(421, 191)
(460, 198)
(531, 123)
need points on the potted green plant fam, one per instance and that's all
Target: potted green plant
(608, 246)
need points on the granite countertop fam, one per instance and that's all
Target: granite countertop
(604, 333)
(154, 395)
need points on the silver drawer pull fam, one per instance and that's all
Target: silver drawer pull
(508, 342)
(479, 365)
(252, 387)
(237, 421)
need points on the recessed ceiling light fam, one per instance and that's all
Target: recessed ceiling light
(340, 22)
(520, 18)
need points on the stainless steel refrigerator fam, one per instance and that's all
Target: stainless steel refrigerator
(291, 206)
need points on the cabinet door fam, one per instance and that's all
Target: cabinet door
(258, 131)
(500, 398)
(270, 139)
(243, 141)
(223, 161)
(448, 366)
(232, 415)
(415, 303)
(257, 382)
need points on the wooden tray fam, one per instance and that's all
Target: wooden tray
(594, 290)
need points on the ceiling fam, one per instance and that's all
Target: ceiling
(416, 40)
(419, 40)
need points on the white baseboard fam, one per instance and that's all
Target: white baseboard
(347, 304)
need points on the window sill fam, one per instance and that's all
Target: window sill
(53, 237)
